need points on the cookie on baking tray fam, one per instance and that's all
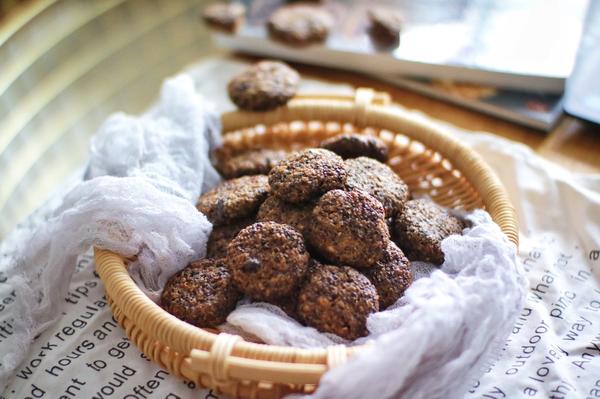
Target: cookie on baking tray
(224, 16)
(386, 24)
(300, 24)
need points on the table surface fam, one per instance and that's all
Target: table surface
(573, 143)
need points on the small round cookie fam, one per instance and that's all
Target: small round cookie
(306, 174)
(268, 260)
(276, 210)
(253, 162)
(391, 276)
(234, 199)
(202, 294)
(349, 228)
(300, 24)
(353, 145)
(420, 228)
(263, 86)
(226, 17)
(338, 300)
(386, 24)
(379, 180)
(221, 236)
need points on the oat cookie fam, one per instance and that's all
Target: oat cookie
(349, 228)
(226, 17)
(338, 300)
(234, 199)
(304, 175)
(353, 145)
(386, 24)
(276, 210)
(253, 162)
(221, 236)
(420, 228)
(263, 86)
(300, 24)
(202, 294)
(267, 260)
(379, 180)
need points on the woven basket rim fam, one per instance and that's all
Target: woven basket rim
(365, 108)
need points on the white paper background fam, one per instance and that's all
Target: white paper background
(554, 351)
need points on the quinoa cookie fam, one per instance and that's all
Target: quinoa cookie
(300, 24)
(349, 228)
(276, 210)
(420, 228)
(267, 260)
(253, 162)
(379, 180)
(386, 24)
(391, 276)
(263, 86)
(352, 145)
(306, 174)
(202, 294)
(223, 16)
(338, 300)
(234, 199)
(221, 236)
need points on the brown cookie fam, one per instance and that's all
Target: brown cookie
(253, 162)
(226, 17)
(349, 228)
(353, 145)
(386, 24)
(221, 236)
(304, 175)
(234, 199)
(202, 294)
(263, 86)
(276, 210)
(300, 24)
(267, 260)
(379, 180)
(338, 300)
(391, 276)
(420, 228)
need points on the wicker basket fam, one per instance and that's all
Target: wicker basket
(429, 160)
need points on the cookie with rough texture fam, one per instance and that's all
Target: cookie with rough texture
(420, 228)
(307, 174)
(234, 199)
(253, 162)
(300, 24)
(267, 260)
(221, 236)
(226, 17)
(276, 210)
(349, 228)
(386, 24)
(379, 180)
(353, 145)
(338, 300)
(202, 294)
(263, 86)
(391, 276)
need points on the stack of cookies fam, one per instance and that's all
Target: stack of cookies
(324, 233)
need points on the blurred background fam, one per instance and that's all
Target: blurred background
(65, 65)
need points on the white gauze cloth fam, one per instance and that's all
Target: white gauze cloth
(147, 212)
(436, 339)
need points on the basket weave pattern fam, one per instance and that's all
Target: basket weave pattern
(430, 162)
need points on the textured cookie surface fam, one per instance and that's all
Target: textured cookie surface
(300, 24)
(337, 300)
(202, 294)
(276, 210)
(253, 162)
(349, 228)
(352, 145)
(221, 236)
(267, 260)
(263, 86)
(234, 199)
(224, 16)
(379, 180)
(304, 175)
(420, 228)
